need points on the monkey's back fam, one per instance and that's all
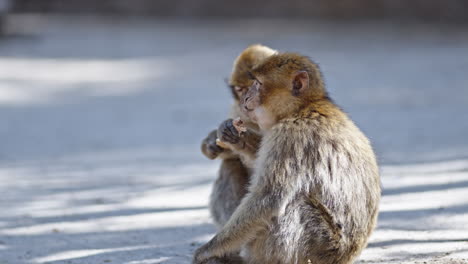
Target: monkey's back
(334, 177)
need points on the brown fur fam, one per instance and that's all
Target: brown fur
(234, 173)
(244, 63)
(315, 189)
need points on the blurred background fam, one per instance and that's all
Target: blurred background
(103, 105)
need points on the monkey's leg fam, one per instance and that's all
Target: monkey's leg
(228, 190)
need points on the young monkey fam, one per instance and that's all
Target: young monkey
(315, 189)
(236, 151)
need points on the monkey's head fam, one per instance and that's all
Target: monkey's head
(282, 85)
(240, 80)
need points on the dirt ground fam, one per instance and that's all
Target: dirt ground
(101, 121)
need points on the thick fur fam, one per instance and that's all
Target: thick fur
(228, 189)
(244, 63)
(328, 203)
(234, 173)
(233, 177)
(315, 189)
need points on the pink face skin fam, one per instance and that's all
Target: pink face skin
(240, 91)
(251, 106)
(251, 98)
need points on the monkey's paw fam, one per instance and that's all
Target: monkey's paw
(209, 146)
(227, 132)
(201, 255)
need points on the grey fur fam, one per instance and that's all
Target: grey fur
(313, 195)
(234, 173)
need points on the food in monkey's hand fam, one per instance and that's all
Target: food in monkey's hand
(222, 144)
(239, 125)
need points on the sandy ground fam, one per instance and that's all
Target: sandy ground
(101, 121)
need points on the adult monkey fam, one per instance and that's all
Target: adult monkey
(239, 152)
(315, 189)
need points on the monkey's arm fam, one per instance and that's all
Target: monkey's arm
(271, 187)
(246, 220)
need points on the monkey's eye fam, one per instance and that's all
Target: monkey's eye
(240, 90)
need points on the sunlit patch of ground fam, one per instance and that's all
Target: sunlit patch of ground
(52, 78)
(101, 124)
(130, 211)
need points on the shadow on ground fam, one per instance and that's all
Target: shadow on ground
(100, 157)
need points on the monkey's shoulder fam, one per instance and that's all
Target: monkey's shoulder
(315, 119)
(315, 127)
(320, 112)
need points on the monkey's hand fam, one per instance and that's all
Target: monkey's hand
(245, 142)
(209, 147)
(228, 132)
(202, 255)
(255, 209)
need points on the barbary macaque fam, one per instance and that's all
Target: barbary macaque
(315, 188)
(237, 154)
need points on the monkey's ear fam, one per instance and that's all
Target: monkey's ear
(300, 83)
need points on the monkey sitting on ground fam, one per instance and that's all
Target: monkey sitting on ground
(239, 153)
(315, 188)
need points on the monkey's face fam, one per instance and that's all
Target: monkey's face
(274, 96)
(239, 83)
(251, 99)
(251, 104)
(240, 80)
(239, 91)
